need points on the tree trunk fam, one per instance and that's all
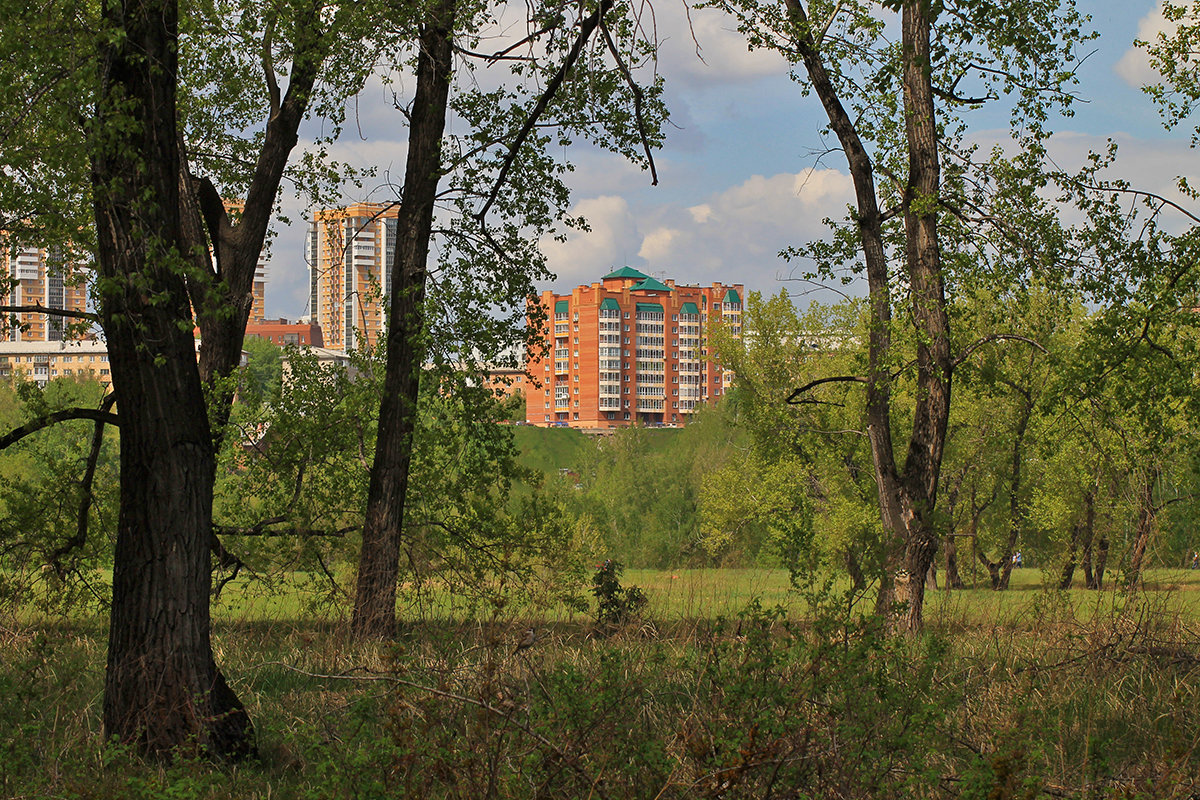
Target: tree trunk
(923, 463)
(1146, 516)
(162, 688)
(907, 499)
(857, 578)
(1068, 570)
(223, 301)
(1016, 515)
(953, 579)
(379, 564)
(1101, 562)
(993, 569)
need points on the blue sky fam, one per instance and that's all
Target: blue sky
(738, 178)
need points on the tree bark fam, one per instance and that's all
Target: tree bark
(162, 690)
(379, 564)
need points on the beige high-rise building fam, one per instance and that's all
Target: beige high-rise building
(36, 276)
(349, 252)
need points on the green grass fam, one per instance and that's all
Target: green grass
(550, 449)
(1025, 693)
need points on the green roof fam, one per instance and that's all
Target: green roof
(690, 308)
(650, 284)
(561, 307)
(732, 297)
(650, 308)
(624, 272)
(609, 304)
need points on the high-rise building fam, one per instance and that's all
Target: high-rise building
(629, 350)
(34, 276)
(349, 252)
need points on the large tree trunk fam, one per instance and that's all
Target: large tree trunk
(923, 463)
(379, 563)
(162, 687)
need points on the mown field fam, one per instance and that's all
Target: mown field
(710, 692)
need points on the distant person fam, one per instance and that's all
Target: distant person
(1195, 560)
(1017, 560)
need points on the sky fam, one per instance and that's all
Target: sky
(741, 175)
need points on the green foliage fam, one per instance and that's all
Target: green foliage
(263, 376)
(615, 604)
(43, 562)
(294, 475)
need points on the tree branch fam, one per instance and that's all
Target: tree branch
(261, 529)
(637, 100)
(85, 501)
(794, 397)
(585, 32)
(992, 338)
(17, 434)
(38, 308)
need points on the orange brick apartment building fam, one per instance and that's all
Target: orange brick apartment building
(629, 350)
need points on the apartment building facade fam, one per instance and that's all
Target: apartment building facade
(39, 277)
(627, 350)
(41, 362)
(349, 252)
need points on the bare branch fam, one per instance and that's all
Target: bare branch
(85, 501)
(993, 338)
(794, 397)
(261, 529)
(268, 65)
(585, 32)
(38, 308)
(17, 434)
(637, 101)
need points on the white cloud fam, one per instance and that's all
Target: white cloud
(703, 46)
(585, 256)
(656, 245)
(1134, 66)
(733, 235)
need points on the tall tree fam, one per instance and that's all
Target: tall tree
(166, 249)
(162, 686)
(995, 48)
(503, 172)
